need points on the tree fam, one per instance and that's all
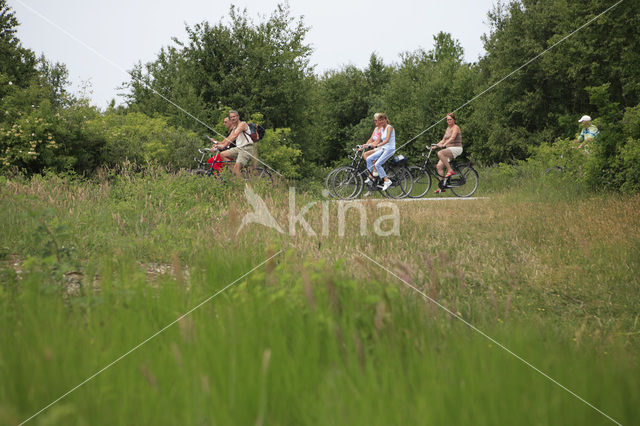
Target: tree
(252, 67)
(544, 99)
(425, 87)
(16, 62)
(41, 127)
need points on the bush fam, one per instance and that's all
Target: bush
(141, 139)
(630, 153)
(36, 136)
(276, 150)
(563, 153)
(616, 155)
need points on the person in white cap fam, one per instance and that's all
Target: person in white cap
(588, 133)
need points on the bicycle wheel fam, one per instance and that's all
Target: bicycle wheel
(465, 182)
(401, 183)
(421, 182)
(346, 183)
(327, 182)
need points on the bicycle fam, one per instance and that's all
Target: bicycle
(463, 184)
(207, 168)
(347, 182)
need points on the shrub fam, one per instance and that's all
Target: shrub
(139, 138)
(36, 136)
(276, 150)
(616, 155)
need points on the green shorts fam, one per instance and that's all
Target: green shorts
(242, 155)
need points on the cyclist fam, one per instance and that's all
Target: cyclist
(227, 124)
(387, 144)
(588, 133)
(243, 152)
(374, 139)
(452, 148)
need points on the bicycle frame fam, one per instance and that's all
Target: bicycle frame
(354, 177)
(212, 154)
(358, 160)
(444, 182)
(428, 166)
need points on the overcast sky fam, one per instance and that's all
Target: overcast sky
(123, 32)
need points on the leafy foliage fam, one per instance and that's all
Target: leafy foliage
(543, 100)
(141, 139)
(35, 135)
(17, 63)
(252, 67)
(617, 154)
(543, 68)
(276, 150)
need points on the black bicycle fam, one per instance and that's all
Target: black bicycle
(206, 168)
(463, 183)
(348, 182)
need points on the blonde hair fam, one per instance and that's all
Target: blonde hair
(376, 115)
(382, 116)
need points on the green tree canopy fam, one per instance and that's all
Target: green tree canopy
(253, 67)
(544, 99)
(17, 63)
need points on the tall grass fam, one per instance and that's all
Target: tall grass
(319, 334)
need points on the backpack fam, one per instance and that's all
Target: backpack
(256, 131)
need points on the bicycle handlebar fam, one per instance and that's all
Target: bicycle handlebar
(205, 150)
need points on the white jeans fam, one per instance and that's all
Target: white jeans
(381, 156)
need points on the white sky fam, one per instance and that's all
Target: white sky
(128, 31)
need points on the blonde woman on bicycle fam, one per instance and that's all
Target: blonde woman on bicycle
(375, 137)
(387, 144)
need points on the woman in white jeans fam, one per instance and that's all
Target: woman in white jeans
(388, 144)
(452, 144)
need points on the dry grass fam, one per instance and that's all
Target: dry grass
(570, 260)
(554, 280)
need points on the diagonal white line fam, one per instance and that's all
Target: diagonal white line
(147, 339)
(511, 73)
(118, 67)
(491, 339)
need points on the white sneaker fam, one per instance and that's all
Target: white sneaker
(387, 184)
(367, 182)
(367, 194)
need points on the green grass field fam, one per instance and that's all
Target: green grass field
(319, 334)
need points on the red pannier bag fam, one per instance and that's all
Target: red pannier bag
(218, 165)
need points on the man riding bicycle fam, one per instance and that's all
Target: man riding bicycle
(244, 151)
